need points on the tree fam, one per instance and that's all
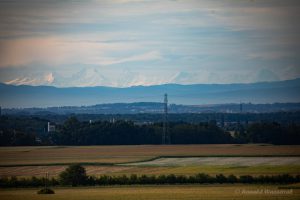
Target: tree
(74, 175)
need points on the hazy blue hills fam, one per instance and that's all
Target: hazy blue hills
(148, 109)
(46, 96)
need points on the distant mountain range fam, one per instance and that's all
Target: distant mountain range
(197, 94)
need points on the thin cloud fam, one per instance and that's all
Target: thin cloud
(213, 41)
(153, 55)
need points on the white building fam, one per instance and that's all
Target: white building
(51, 127)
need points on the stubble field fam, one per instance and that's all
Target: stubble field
(182, 159)
(249, 159)
(166, 192)
(47, 155)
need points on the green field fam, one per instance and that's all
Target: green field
(191, 192)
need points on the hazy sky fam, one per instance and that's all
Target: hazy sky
(139, 42)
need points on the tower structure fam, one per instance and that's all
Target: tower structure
(166, 136)
(241, 107)
(240, 127)
(240, 113)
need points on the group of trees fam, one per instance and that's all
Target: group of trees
(15, 131)
(73, 132)
(273, 133)
(75, 175)
(32, 131)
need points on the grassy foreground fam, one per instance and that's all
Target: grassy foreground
(209, 192)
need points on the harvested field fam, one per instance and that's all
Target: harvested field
(99, 160)
(227, 170)
(28, 171)
(234, 161)
(191, 192)
(52, 155)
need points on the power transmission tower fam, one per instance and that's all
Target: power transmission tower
(240, 127)
(241, 107)
(166, 137)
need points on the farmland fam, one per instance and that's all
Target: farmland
(53, 155)
(39, 171)
(248, 159)
(98, 160)
(236, 161)
(209, 192)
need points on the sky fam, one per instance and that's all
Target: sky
(122, 43)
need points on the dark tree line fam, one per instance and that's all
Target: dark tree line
(32, 131)
(201, 178)
(274, 133)
(75, 175)
(73, 132)
(15, 131)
